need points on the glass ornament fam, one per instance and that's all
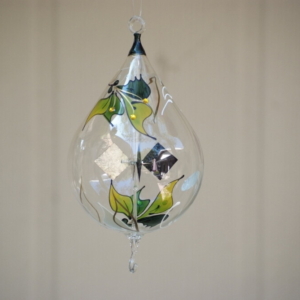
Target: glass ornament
(137, 165)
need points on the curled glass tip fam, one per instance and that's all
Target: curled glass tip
(134, 243)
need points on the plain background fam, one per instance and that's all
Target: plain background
(233, 68)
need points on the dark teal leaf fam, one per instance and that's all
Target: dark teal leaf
(153, 220)
(126, 222)
(136, 89)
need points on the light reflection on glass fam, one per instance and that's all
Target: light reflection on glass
(191, 181)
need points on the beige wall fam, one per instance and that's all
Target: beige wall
(233, 67)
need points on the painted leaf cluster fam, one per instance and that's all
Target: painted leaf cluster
(148, 214)
(131, 98)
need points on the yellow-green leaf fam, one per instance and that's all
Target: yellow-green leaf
(120, 203)
(137, 113)
(99, 109)
(163, 201)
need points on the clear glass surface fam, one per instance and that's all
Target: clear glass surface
(136, 162)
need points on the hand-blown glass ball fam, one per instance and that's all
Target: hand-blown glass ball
(136, 164)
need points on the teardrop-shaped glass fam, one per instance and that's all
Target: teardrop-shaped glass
(136, 162)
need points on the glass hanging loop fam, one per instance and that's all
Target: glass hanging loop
(136, 24)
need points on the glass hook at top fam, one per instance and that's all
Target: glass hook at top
(136, 24)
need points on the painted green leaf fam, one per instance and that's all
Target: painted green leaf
(137, 113)
(163, 201)
(99, 109)
(116, 106)
(148, 221)
(120, 203)
(148, 217)
(108, 107)
(153, 220)
(141, 204)
(136, 89)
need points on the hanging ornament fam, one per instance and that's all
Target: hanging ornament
(136, 163)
